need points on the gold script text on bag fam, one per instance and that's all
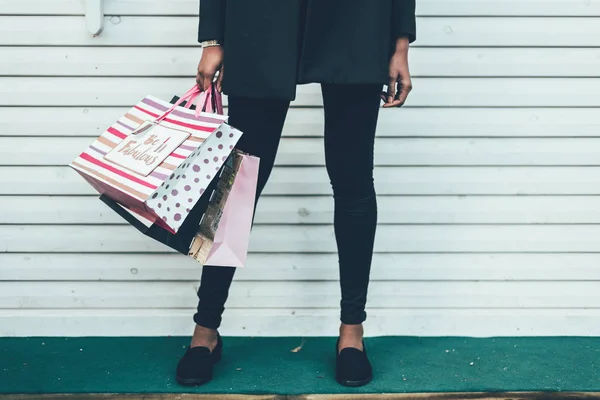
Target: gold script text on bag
(147, 147)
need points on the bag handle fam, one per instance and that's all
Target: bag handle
(187, 96)
(211, 100)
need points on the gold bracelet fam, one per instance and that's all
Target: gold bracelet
(209, 43)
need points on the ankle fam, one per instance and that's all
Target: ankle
(352, 331)
(351, 336)
(204, 337)
(206, 332)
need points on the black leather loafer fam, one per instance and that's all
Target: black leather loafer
(352, 366)
(196, 366)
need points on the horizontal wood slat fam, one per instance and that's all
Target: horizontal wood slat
(62, 210)
(303, 267)
(560, 8)
(388, 152)
(182, 62)
(125, 92)
(319, 210)
(388, 181)
(317, 239)
(111, 7)
(289, 295)
(306, 122)
(182, 31)
(424, 7)
(431, 92)
(305, 323)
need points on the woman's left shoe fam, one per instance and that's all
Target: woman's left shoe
(352, 366)
(195, 368)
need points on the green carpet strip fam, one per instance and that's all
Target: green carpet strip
(284, 367)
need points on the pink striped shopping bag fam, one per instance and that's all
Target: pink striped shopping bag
(159, 158)
(172, 173)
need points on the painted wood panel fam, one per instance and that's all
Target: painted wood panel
(305, 323)
(424, 7)
(404, 267)
(308, 122)
(65, 210)
(537, 8)
(317, 239)
(306, 295)
(182, 31)
(125, 92)
(182, 62)
(388, 181)
(432, 92)
(487, 179)
(388, 152)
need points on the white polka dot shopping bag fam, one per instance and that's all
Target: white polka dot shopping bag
(174, 174)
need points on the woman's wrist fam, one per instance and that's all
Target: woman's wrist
(402, 44)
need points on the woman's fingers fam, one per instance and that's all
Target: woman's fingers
(220, 80)
(391, 92)
(399, 98)
(405, 88)
(204, 80)
(207, 81)
(200, 80)
(390, 100)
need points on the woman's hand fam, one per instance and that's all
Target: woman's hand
(210, 62)
(399, 75)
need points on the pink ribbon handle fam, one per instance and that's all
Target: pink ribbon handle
(218, 99)
(202, 99)
(187, 97)
(211, 101)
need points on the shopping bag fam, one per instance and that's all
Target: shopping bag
(223, 234)
(215, 228)
(216, 232)
(159, 158)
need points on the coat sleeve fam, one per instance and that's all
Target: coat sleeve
(211, 24)
(404, 22)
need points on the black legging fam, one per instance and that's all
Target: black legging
(351, 113)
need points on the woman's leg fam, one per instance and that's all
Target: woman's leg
(351, 113)
(261, 122)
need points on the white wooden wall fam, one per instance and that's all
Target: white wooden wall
(488, 181)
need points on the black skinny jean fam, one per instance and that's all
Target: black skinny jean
(351, 113)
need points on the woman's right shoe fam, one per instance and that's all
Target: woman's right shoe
(196, 366)
(352, 366)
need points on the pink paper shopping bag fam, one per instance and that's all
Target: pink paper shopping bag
(228, 244)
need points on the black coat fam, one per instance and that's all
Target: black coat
(272, 45)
